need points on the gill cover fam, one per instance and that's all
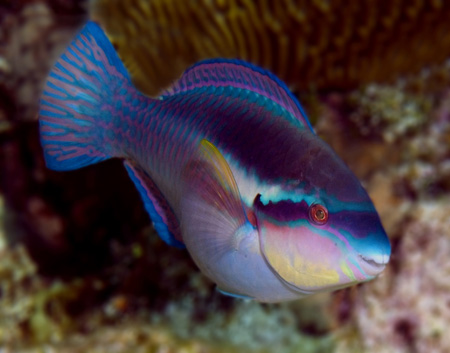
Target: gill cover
(302, 259)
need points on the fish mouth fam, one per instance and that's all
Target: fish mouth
(374, 264)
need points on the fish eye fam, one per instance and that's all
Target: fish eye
(318, 214)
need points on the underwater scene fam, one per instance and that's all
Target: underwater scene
(224, 176)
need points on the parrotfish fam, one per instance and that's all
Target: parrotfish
(227, 165)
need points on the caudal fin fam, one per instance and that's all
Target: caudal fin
(83, 94)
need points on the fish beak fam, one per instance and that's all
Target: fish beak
(373, 264)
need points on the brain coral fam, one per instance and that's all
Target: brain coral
(320, 43)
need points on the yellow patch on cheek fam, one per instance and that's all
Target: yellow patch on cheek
(302, 273)
(346, 270)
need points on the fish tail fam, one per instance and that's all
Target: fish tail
(83, 103)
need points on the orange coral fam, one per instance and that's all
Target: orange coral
(319, 43)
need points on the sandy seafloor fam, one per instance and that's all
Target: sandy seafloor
(81, 269)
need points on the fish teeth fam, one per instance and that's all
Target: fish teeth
(376, 259)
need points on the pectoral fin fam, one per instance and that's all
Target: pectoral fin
(212, 190)
(214, 222)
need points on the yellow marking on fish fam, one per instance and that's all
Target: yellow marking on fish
(301, 273)
(347, 270)
(221, 168)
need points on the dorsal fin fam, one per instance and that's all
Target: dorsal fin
(242, 75)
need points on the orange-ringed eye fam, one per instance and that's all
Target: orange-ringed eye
(318, 214)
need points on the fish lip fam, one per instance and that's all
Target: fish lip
(373, 265)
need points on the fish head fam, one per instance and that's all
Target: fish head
(319, 230)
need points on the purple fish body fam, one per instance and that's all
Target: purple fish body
(227, 164)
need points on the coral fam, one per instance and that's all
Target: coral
(406, 172)
(387, 111)
(31, 35)
(252, 326)
(424, 173)
(32, 308)
(408, 308)
(321, 44)
(158, 301)
(91, 276)
(35, 312)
